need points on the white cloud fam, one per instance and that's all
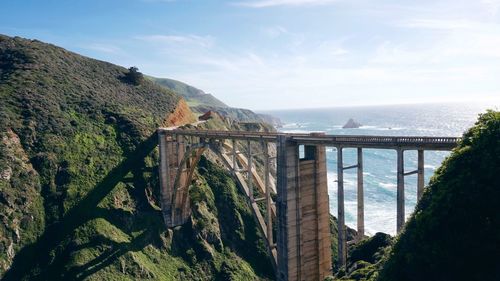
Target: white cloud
(103, 48)
(458, 39)
(492, 5)
(192, 40)
(415, 55)
(275, 31)
(439, 24)
(273, 3)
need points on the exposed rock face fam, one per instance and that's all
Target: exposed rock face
(207, 115)
(351, 124)
(181, 115)
(20, 201)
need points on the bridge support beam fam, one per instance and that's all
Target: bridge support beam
(361, 197)
(267, 184)
(400, 212)
(303, 240)
(165, 147)
(174, 170)
(342, 241)
(235, 166)
(420, 174)
(249, 172)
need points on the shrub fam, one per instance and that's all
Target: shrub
(133, 76)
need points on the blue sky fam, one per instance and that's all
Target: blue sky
(276, 54)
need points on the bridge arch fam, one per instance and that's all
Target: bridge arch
(179, 156)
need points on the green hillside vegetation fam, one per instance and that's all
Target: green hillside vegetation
(454, 233)
(193, 96)
(78, 179)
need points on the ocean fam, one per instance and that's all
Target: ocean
(380, 165)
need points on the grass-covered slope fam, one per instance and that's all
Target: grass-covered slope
(78, 176)
(193, 95)
(454, 233)
(66, 123)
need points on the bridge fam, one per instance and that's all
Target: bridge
(300, 247)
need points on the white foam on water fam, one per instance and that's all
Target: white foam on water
(288, 125)
(296, 131)
(387, 185)
(378, 128)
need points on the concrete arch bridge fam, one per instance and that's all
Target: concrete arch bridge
(300, 249)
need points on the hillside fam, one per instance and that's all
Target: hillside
(454, 233)
(78, 178)
(193, 96)
(201, 102)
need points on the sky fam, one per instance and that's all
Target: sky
(280, 54)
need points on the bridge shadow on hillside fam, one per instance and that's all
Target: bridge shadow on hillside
(37, 262)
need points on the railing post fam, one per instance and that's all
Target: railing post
(342, 243)
(361, 201)
(400, 191)
(420, 174)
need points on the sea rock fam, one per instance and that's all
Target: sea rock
(351, 124)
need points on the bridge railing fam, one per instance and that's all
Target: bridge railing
(366, 141)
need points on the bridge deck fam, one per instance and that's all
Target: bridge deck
(381, 142)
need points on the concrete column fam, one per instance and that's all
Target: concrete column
(178, 148)
(269, 219)
(342, 243)
(164, 180)
(361, 199)
(400, 191)
(420, 174)
(287, 182)
(249, 179)
(234, 155)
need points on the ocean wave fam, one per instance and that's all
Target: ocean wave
(295, 125)
(387, 185)
(296, 131)
(378, 128)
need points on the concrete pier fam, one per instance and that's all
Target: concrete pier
(361, 196)
(342, 253)
(420, 175)
(304, 251)
(400, 206)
